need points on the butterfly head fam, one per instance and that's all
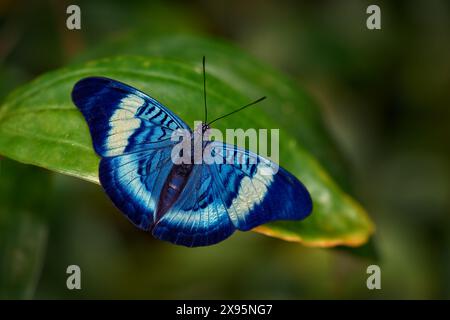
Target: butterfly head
(203, 129)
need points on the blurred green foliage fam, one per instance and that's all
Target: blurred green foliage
(24, 206)
(385, 98)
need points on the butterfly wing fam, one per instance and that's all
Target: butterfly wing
(240, 191)
(255, 190)
(131, 132)
(122, 119)
(134, 182)
(198, 217)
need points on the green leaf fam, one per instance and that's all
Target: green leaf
(39, 125)
(290, 107)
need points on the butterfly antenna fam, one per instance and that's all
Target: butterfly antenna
(237, 110)
(204, 89)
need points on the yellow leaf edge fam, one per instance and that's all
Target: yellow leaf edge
(354, 239)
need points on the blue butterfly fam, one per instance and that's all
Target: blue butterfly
(186, 204)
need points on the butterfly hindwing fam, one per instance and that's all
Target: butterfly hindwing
(199, 217)
(134, 181)
(255, 190)
(239, 191)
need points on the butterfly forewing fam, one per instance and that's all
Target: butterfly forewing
(122, 119)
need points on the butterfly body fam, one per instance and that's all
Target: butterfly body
(175, 183)
(193, 203)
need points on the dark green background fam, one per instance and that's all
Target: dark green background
(385, 96)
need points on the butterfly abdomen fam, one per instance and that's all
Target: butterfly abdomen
(175, 183)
